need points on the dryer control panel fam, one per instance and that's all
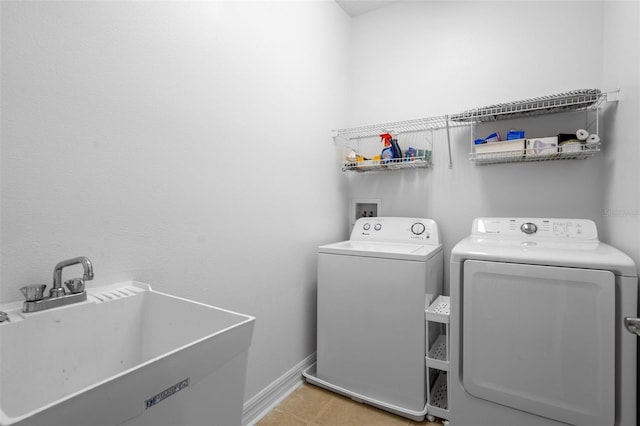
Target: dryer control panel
(396, 229)
(578, 229)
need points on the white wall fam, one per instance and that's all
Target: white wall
(422, 59)
(182, 144)
(621, 65)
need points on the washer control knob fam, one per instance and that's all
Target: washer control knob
(418, 228)
(377, 226)
(366, 226)
(529, 228)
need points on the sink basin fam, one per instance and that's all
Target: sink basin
(128, 355)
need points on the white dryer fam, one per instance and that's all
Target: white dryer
(372, 293)
(537, 320)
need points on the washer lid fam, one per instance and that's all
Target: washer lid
(382, 249)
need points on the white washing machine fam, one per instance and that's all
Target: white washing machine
(372, 293)
(537, 326)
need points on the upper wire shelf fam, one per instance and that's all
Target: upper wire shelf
(575, 100)
(397, 127)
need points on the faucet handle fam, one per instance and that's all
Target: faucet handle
(75, 285)
(33, 292)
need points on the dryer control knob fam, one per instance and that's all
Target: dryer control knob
(529, 228)
(366, 226)
(418, 228)
(377, 227)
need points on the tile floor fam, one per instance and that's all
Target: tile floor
(314, 406)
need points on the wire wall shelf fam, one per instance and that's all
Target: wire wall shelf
(362, 144)
(418, 134)
(576, 100)
(584, 101)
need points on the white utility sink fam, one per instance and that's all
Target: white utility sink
(128, 355)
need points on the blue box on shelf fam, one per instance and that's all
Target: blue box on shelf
(493, 137)
(515, 134)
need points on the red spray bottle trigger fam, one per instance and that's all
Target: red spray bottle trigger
(386, 139)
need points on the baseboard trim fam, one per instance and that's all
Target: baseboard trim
(258, 406)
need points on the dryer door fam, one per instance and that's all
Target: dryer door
(540, 339)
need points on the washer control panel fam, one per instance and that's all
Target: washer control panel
(396, 229)
(418, 228)
(579, 229)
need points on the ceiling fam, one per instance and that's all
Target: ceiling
(360, 7)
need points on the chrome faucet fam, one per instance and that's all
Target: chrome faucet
(58, 296)
(57, 289)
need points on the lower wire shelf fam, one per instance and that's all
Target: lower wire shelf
(519, 156)
(392, 164)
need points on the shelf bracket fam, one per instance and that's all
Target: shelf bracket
(613, 96)
(449, 142)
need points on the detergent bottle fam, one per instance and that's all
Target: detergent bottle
(397, 152)
(388, 151)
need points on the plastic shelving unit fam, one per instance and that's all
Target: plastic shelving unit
(437, 360)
